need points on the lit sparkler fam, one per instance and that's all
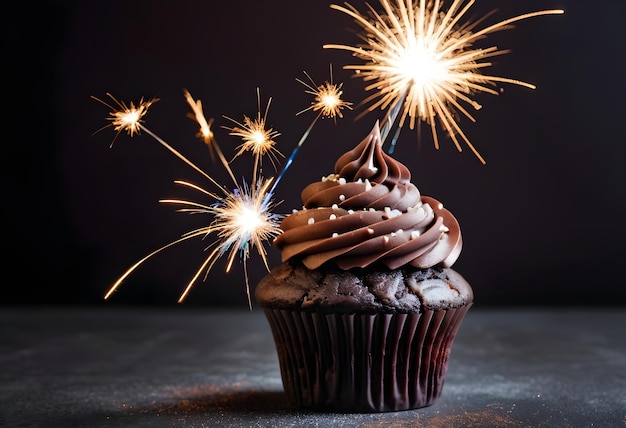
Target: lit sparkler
(126, 118)
(242, 218)
(327, 99)
(327, 103)
(256, 137)
(422, 65)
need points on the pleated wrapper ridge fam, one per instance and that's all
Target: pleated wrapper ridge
(364, 362)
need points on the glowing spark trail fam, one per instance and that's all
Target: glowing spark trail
(205, 132)
(421, 63)
(242, 219)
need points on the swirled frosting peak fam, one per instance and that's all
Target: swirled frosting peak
(368, 212)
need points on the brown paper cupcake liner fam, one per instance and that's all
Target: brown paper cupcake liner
(364, 362)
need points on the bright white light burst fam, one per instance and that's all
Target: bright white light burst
(241, 220)
(126, 118)
(327, 97)
(421, 64)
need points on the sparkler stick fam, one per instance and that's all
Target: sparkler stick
(389, 120)
(180, 156)
(294, 153)
(421, 64)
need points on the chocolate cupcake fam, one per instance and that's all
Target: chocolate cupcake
(365, 307)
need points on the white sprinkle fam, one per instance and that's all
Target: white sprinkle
(342, 180)
(368, 186)
(443, 228)
(332, 217)
(311, 220)
(385, 239)
(335, 234)
(350, 211)
(342, 198)
(360, 180)
(415, 234)
(370, 230)
(335, 206)
(389, 213)
(372, 210)
(440, 206)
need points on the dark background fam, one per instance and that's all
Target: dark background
(543, 221)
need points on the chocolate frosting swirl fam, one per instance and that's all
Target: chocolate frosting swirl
(367, 212)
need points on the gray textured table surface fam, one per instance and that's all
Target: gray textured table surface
(134, 367)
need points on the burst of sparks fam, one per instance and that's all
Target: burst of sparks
(422, 65)
(255, 136)
(327, 97)
(242, 218)
(125, 117)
